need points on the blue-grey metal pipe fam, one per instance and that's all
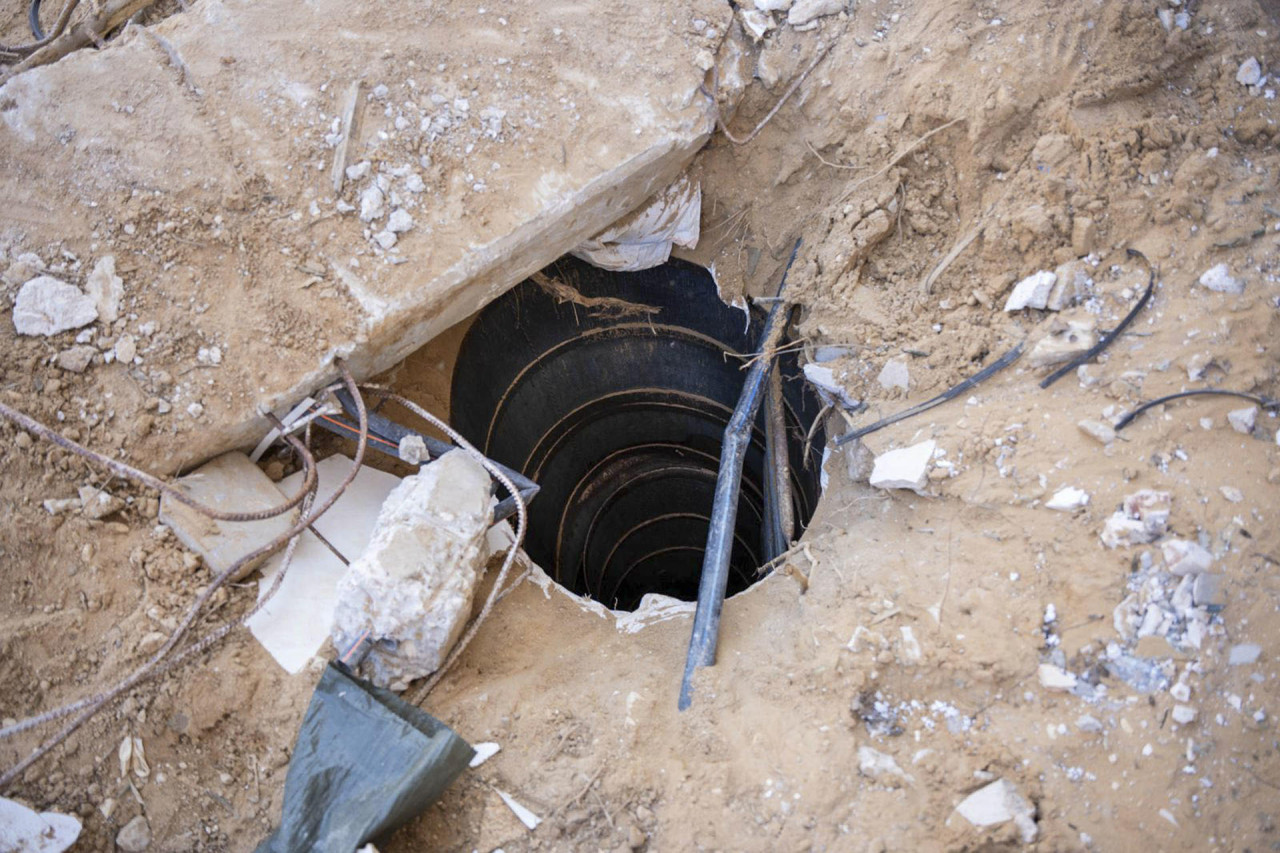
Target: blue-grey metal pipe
(715, 560)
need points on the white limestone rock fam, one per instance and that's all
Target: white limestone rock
(904, 468)
(371, 203)
(1220, 280)
(1100, 432)
(1243, 420)
(413, 586)
(46, 306)
(998, 803)
(1032, 292)
(399, 221)
(106, 289)
(1068, 499)
(1250, 72)
(755, 23)
(804, 11)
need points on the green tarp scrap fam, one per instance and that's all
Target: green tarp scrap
(365, 762)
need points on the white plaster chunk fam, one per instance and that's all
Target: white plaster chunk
(879, 767)
(823, 378)
(755, 23)
(295, 623)
(904, 468)
(412, 588)
(46, 306)
(1068, 499)
(1056, 678)
(1184, 557)
(106, 289)
(894, 374)
(1243, 420)
(998, 803)
(26, 831)
(1032, 292)
(1220, 280)
(1243, 653)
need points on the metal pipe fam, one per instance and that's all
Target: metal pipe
(737, 436)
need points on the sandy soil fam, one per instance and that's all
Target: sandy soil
(1080, 131)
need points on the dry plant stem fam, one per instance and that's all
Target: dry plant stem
(153, 666)
(141, 477)
(64, 17)
(786, 96)
(893, 161)
(522, 521)
(88, 31)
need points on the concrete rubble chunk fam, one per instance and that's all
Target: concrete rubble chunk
(1053, 677)
(1032, 292)
(134, 836)
(904, 468)
(46, 306)
(106, 289)
(1184, 557)
(399, 221)
(97, 503)
(1243, 420)
(1219, 280)
(804, 11)
(893, 375)
(412, 588)
(773, 5)
(24, 830)
(1250, 72)
(1068, 499)
(230, 483)
(1143, 517)
(1183, 714)
(371, 204)
(1063, 341)
(1209, 591)
(998, 803)
(1072, 285)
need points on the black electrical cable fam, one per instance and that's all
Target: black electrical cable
(1264, 402)
(1114, 333)
(33, 20)
(987, 372)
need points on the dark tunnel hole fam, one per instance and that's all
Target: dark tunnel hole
(619, 416)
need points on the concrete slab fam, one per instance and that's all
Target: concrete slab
(230, 483)
(296, 622)
(200, 154)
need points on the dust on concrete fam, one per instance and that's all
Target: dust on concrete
(1081, 131)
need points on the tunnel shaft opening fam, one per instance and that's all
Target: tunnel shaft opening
(618, 414)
